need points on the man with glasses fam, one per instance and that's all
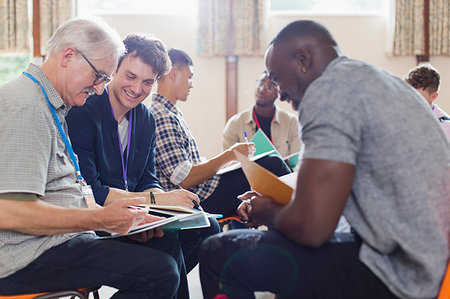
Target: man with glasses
(99, 76)
(178, 162)
(114, 136)
(280, 126)
(46, 238)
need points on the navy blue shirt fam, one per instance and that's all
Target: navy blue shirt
(93, 133)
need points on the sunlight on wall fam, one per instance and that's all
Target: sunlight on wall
(130, 7)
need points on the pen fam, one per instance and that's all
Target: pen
(245, 136)
(196, 205)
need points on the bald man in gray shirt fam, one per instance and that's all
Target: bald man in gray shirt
(374, 152)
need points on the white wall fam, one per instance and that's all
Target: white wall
(359, 37)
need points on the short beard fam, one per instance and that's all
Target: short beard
(264, 104)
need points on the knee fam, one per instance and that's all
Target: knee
(274, 164)
(214, 228)
(209, 245)
(169, 278)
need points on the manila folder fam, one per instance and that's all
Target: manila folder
(263, 181)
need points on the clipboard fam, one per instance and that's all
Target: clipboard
(264, 182)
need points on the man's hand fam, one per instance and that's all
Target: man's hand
(177, 197)
(148, 234)
(118, 217)
(257, 210)
(247, 149)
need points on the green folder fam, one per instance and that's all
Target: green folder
(263, 144)
(293, 159)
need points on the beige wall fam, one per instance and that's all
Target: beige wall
(359, 37)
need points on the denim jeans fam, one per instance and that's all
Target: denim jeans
(138, 270)
(239, 262)
(191, 239)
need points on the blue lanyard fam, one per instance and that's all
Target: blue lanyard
(61, 131)
(124, 164)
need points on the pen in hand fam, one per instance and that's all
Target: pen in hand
(245, 136)
(196, 205)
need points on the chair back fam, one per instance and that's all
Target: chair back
(444, 293)
(81, 294)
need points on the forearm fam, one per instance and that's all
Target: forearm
(116, 194)
(40, 218)
(203, 171)
(300, 228)
(320, 197)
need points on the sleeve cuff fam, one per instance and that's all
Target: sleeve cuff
(181, 172)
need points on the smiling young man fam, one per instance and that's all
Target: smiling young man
(114, 137)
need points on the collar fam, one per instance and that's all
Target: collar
(53, 96)
(334, 62)
(158, 98)
(249, 116)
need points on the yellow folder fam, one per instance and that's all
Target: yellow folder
(263, 181)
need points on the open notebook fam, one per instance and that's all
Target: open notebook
(177, 218)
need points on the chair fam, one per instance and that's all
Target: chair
(81, 294)
(444, 293)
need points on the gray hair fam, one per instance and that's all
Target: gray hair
(93, 37)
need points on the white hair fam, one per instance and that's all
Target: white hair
(93, 37)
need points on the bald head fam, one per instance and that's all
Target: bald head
(298, 55)
(305, 29)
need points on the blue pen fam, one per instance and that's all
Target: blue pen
(245, 136)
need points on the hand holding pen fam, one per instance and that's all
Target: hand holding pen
(251, 146)
(197, 206)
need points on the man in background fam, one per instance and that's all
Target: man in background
(46, 238)
(361, 127)
(178, 162)
(280, 126)
(426, 80)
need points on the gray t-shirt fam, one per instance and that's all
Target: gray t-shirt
(399, 204)
(33, 159)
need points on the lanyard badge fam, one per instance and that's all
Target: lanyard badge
(85, 188)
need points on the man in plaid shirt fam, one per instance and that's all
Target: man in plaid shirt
(178, 162)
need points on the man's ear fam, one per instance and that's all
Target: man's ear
(173, 73)
(303, 58)
(68, 55)
(434, 95)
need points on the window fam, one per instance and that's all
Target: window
(12, 66)
(152, 7)
(330, 6)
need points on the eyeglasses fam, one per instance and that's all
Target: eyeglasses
(99, 77)
(269, 85)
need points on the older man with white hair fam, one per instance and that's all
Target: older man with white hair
(46, 242)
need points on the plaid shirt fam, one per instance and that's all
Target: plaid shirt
(176, 149)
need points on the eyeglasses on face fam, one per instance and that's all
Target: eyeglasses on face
(99, 76)
(269, 85)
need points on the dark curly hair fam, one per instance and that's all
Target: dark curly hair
(424, 76)
(151, 50)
